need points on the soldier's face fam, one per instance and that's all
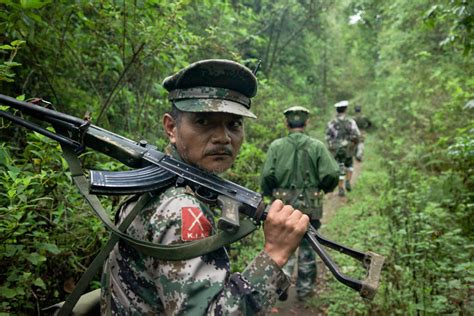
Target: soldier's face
(208, 140)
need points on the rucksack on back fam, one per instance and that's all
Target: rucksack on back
(301, 194)
(342, 144)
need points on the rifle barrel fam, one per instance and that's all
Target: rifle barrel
(39, 111)
(57, 137)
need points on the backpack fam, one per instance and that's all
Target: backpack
(303, 196)
(362, 122)
(343, 147)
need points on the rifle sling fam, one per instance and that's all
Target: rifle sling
(174, 252)
(163, 252)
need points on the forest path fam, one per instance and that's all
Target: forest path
(332, 202)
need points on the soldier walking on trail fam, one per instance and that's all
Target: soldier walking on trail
(299, 170)
(364, 124)
(205, 129)
(343, 135)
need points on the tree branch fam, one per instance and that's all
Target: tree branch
(117, 83)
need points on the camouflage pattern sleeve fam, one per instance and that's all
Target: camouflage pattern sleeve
(267, 279)
(355, 131)
(331, 134)
(135, 284)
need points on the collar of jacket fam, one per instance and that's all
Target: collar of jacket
(296, 132)
(171, 150)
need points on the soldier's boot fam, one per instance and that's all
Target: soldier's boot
(283, 296)
(348, 185)
(342, 192)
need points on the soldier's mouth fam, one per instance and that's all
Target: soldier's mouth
(219, 152)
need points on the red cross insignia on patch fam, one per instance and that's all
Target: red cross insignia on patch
(194, 225)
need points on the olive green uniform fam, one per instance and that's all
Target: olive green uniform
(299, 161)
(300, 167)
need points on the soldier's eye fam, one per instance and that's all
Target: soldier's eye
(235, 124)
(202, 121)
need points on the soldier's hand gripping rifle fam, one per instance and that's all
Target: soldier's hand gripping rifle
(156, 170)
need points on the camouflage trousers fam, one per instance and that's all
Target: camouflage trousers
(305, 260)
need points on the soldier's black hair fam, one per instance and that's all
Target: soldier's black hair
(299, 124)
(341, 109)
(176, 114)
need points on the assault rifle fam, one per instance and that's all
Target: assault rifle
(155, 170)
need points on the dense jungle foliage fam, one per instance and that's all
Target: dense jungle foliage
(409, 63)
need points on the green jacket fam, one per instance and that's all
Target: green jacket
(299, 161)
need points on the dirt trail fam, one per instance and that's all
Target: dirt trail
(292, 306)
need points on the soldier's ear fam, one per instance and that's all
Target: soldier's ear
(169, 125)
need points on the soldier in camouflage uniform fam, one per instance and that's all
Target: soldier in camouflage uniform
(343, 135)
(364, 124)
(298, 170)
(209, 100)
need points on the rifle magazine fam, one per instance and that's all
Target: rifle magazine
(135, 181)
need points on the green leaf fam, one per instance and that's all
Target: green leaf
(50, 248)
(35, 258)
(13, 173)
(11, 193)
(17, 42)
(11, 250)
(40, 283)
(33, 4)
(26, 181)
(20, 291)
(6, 292)
(26, 276)
(12, 63)
(7, 47)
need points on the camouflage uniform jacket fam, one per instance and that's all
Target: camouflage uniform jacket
(136, 284)
(341, 129)
(315, 167)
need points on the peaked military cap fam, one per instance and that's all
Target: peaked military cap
(296, 114)
(213, 85)
(296, 108)
(341, 104)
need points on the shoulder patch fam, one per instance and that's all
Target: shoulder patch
(194, 225)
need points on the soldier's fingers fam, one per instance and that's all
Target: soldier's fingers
(300, 218)
(300, 225)
(276, 206)
(287, 210)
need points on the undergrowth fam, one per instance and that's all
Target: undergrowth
(411, 218)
